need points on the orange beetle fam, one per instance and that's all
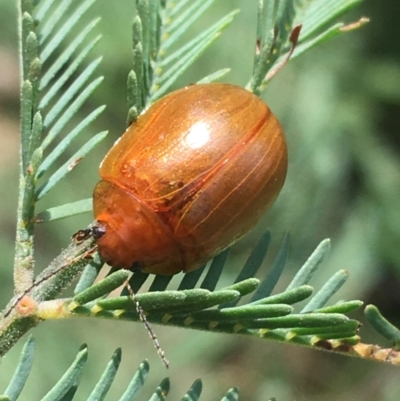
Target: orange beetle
(190, 177)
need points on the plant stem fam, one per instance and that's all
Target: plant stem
(23, 262)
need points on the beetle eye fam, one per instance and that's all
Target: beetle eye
(136, 266)
(98, 231)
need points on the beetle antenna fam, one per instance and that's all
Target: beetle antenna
(147, 324)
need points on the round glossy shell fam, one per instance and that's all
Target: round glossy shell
(190, 177)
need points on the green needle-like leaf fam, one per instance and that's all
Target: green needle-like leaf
(256, 258)
(44, 8)
(26, 120)
(107, 378)
(161, 391)
(315, 320)
(174, 8)
(254, 261)
(42, 34)
(69, 379)
(215, 76)
(232, 395)
(29, 187)
(267, 286)
(214, 272)
(181, 23)
(341, 307)
(89, 274)
(67, 73)
(381, 325)
(331, 332)
(317, 14)
(290, 297)
(274, 313)
(194, 392)
(332, 32)
(160, 283)
(103, 287)
(22, 371)
(66, 55)
(156, 28)
(149, 302)
(54, 19)
(36, 134)
(136, 383)
(239, 313)
(67, 167)
(198, 46)
(244, 287)
(69, 209)
(327, 291)
(304, 275)
(65, 29)
(70, 111)
(71, 92)
(136, 282)
(191, 279)
(67, 140)
(169, 300)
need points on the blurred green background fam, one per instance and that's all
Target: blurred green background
(339, 106)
